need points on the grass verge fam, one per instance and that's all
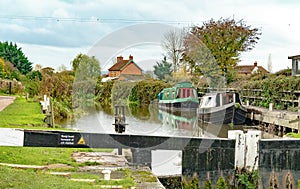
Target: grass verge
(22, 113)
(16, 178)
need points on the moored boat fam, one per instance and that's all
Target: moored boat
(183, 96)
(221, 108)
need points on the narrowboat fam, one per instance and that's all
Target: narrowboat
(183, 96)
(221, 108)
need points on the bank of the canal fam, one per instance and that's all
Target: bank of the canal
(27, 167)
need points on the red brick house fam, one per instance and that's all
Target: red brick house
(250, 69)
(123, 69)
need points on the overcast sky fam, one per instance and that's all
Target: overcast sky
(53, 32)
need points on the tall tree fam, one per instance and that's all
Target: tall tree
(10, 52)
(225, 39)
(173, 45)
(162, 69)
(87, 73)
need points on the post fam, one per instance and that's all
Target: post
(9, 90)
(51, 113)
(271, 107)
(298, 114)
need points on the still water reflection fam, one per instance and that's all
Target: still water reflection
(150, 121)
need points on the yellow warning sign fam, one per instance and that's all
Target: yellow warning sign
(81, 141)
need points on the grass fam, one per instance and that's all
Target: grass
(294, 135)
(41, 155)
(22, 113)
(16, 178)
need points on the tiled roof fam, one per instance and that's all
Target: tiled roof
(247, 69)
(119, 65)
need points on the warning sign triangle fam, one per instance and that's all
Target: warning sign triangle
(81, 141)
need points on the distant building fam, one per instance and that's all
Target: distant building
(250, 69)
(295, 65)
(125, 70)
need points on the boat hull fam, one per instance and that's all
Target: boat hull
(179, 106)
(223, 115)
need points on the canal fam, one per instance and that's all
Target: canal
(150, 121)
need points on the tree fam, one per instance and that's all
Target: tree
(161, 70)
(87, 73)
(10, 52)
(4, 72)
(173, 45)
(225, 39)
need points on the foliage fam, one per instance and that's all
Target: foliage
(87, 73)
(171, 182)
(10, 52)
(58, 86)
(285, 72)
(163, 69)
(195, 183)
(146, 91)
(32, 82)
(208, 184)
(22, 113)
(225, 39)
(221, 184)
(35, 75)
(121, 91)
(273, 89)
(4, 69)
(247, 179)
(293, 135)
(103, 92)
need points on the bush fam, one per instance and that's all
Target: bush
(146, 91)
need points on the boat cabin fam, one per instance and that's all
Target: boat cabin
(217, 99)
(182, 90)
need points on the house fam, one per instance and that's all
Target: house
(295, 65)
(125, 69)
(243, 70)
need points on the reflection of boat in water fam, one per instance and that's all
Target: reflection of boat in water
(177, 121)
(187, 122)
(222, 108)
(180, 97)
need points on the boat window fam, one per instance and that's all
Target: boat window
(224, 99)
(188, 93)
(183, 93)
(208, 101)
(173, 94)
(178, 93)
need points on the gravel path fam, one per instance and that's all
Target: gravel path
(5, 101)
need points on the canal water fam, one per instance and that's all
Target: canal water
(150, 121)
(154, 122)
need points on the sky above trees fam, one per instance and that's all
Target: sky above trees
(53, 32)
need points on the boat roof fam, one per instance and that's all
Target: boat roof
(217, 92)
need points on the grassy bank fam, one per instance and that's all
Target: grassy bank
(40, 156)
(16, 178)
(22, 113)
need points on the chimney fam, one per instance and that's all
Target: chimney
(119, 58)
(130, 57)
(255, 64)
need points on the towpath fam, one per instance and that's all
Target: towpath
(5, 101)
